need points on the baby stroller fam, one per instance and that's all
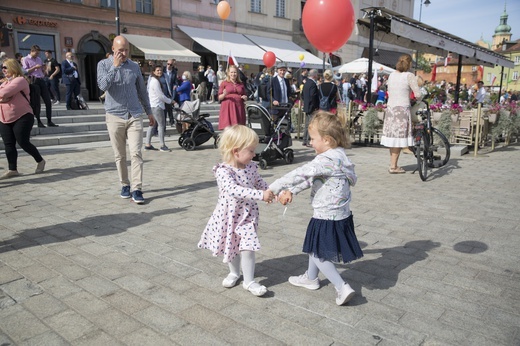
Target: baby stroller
(274, 133)
(194, 128)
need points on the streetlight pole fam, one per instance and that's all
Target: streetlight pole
(118, 32)
(426, 3)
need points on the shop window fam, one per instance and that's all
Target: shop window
(144, 6)
(108, 3)
(27, 39)
(256, 6)
(280, 8)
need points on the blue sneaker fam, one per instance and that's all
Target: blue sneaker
(137, 197)
(125, 191)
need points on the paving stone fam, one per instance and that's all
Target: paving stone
(70, 325)
(44, 305)
(20, 290)
(22, 325)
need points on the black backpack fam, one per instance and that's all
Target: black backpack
(263, 88)
(324, 100)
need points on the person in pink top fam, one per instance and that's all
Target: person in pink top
(16, 118)
(35, 68)
(232, 95)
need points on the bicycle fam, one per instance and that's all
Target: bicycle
(431, 148)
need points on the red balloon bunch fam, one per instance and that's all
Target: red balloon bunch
(269, 59)
(328, 23)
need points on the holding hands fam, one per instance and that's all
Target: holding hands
(268, 196)
(285, 197)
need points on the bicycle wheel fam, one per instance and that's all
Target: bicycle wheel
(439, 149)
(421, 152)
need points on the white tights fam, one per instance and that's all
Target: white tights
(248, 265)
(327, 268)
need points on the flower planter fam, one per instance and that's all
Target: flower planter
(492, 117)
(381, 115)
(436, 116)
(455, 117)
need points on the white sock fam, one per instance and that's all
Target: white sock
(312, 271)
(329, 270)
(234, 266)
(248, 265)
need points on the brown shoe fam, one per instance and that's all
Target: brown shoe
(9, 174)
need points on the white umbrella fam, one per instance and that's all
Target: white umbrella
(361, 66)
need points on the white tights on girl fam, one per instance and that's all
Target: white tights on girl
(327, 268)
(247, 259)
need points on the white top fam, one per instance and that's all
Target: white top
(400, 84)
(156, 95)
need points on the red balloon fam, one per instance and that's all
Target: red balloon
(328, 23)
(269, 59)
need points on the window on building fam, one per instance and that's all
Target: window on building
(74, 1)
(108, 3)
(489, 77)
(144, 6)
(473, 68)
(280, 8)
(256, 6)
(27, 39)
(517, 59)
(515, 75)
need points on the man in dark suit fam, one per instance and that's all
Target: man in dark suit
(280, 88)
(311, 102)
(70, 77)
(170, 76)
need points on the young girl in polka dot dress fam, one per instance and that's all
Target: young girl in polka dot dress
(330, 234)
(231, 230)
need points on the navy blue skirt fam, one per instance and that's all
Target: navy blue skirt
(331, 240)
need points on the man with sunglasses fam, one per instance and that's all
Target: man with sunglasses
(170, 75)
(35, 68)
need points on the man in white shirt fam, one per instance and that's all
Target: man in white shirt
(481, 92)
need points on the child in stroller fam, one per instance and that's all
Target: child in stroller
(274, 133)
(194, 128)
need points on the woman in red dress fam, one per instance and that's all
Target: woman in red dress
(232, 95)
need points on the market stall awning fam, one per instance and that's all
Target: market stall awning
(287, 52)
(161, 48)
(396, 29)
(222, 43)
(361, 66)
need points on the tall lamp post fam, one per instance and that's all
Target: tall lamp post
(118, 32)
(426, 3)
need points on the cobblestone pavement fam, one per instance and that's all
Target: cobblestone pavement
(81, 266)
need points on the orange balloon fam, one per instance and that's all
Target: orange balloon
(223, 10)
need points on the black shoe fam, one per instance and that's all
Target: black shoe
(40, 124)
(51, 124)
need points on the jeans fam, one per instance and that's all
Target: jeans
(40, 84)
(160, 124)
(119, 130)
(18, 132)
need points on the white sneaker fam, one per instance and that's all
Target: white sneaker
(56, 103)
(304, 281)
(344, 294)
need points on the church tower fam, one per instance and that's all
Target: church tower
(502, 32)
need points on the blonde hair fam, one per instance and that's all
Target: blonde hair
(235, 137)
(404, 63)
(227, 73)
(327, 75)
(13, 67)
(187, 74)
(328, 125)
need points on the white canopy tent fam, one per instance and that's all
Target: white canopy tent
(161, 48)
(361, 66)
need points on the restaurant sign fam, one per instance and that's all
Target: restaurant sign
(38, 22)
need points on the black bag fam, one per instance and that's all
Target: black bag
(262, 91)
(324, 101)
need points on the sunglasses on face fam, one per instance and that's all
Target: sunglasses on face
(4, 67)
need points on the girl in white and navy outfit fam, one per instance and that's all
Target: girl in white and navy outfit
(330, 234)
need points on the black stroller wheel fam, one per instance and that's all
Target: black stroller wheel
(181, 140)
(288, 156)
(262, 163)
(188, 144)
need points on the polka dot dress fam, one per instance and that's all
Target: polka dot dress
(233, 224)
